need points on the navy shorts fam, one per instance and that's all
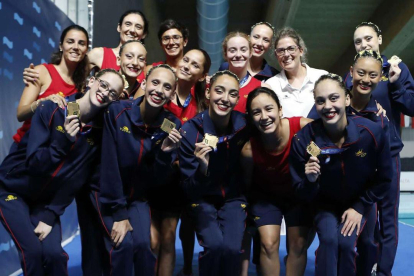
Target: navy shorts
(270, 212)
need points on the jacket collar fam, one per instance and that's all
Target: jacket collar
(238, 122)
(136, 114)
(370, 107)
(322, 140)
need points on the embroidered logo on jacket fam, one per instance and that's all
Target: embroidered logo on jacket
(194, 205)
(90, 141)
(60, 129)
(125, 129)
(360, 153)
(11, 197)
(243, 205)
(185, 119)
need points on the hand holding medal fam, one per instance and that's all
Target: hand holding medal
(312, 167)
(395, 70)
(174, 137)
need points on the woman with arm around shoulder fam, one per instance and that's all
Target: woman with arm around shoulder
(133, 25)
(342, 165)
(265, 159)
(62, 77)
(294, 84)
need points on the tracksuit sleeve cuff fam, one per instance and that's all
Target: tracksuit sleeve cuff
(48, 217)
(120, 214)
(359, 207)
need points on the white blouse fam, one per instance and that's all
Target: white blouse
(296, 101)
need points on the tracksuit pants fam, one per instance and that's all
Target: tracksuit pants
(36, 257)
(133, 256)
(219, 227)
(336, 254)
(388, 223)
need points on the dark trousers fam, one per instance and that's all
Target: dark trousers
(95, 259)
(336, 254)
(388, 222)
(368, 246)
(219, 227)
(133, 255)
(36, 257)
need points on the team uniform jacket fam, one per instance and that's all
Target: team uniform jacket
(266, 72)
(223, 177)
(47, 168)
(132, 160)
(395, 98)
(355, 178)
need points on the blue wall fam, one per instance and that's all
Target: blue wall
(30, 33)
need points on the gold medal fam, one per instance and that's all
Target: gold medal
(313, 149)
(167, 125)
(210, 140)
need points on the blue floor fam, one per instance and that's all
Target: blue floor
(404, 265)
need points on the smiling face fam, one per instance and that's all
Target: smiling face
(175, 42)
(265, 113)
(261, 37)
(159, 87)
(132, 28)
(74, 46)
(289, 61)
(105, 89)
(365, 38)
(330, 102)
(238, 52)
(366, 73)
(223, 95)
(191, 67)
(133, 59)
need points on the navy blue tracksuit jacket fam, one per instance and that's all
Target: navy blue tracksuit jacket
(132, 160)
(356, 178)
(224, 168)
(47, 167)
(39, 180)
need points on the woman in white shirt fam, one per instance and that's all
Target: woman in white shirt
(294, 84)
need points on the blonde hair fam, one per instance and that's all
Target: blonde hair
(235, 34)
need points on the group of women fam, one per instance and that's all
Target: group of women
(154, 143)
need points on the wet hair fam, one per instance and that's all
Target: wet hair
(230, 36)
(128, 42)
(370, 24)
(333, 77)
(256, 92)
(172, 24)
(214, 77)
(266, 24)
(166, 66)
(82, 69)
(368, 53)
(200, 86)
(140, 13)
(290, 32)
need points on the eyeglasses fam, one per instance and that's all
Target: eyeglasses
(113, 95)
(166, 39)
(291, 50)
